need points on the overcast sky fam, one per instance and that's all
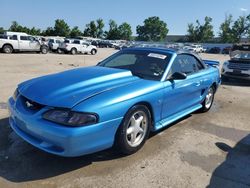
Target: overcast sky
(177, 14)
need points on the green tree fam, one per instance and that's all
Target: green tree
(75, 32)
(199, 32)
(153, 29)
(241, 27)
(14, 27)
(91, 30)
(61, 28)
(125, 31)
(34, 31)
(248, 29)
(113, 32)
(1, 30)
(99, 27)
(226, 33)
(48, 32)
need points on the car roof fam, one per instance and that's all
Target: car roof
(165, 51)
(162, 50)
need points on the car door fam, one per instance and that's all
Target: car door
(85, 48)
(180, 95)
(34, 44)
(24, 43)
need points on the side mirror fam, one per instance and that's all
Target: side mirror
(178, 76)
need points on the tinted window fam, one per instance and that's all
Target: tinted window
(187, 64)
(58, 41)
(51, 40)
(76, 42)
(13, 37)
(3, 37)
(31, 38)
(24, 38)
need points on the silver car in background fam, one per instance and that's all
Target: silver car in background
(239, 64)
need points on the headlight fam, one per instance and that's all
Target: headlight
(15, 94)
(70, 118)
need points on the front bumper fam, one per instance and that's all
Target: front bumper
(57, 139)
(243, 74)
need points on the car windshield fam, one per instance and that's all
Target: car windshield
(144, 64)
(245, 55)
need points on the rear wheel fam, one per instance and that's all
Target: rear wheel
(209, 99)
(59, 51)
(7, 49)
(134, 130)
(73, 51)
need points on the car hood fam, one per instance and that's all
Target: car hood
(67, 89)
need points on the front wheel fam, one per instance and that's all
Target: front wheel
(134, 130)
(73, 51)
(209, 99)
(44, 50)
(93, 51)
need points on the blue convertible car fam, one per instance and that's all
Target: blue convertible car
(116, 103)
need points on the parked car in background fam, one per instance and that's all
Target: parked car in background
(214, 50)
(194, 48)
(21, 42)
(226, 50)
(105, 44)
(54, 43)
(116, 103)
(75, 46)
(239, 64)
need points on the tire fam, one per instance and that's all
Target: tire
(8, 49)
(209, 99)
(93, 51)
(73, 51)
(44, 50)
(59, 51)
(134, 130)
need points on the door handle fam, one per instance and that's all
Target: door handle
(197, 83)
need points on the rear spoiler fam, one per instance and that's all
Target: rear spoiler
(212, 63)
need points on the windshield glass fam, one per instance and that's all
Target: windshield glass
(146, 65)
(240, 55)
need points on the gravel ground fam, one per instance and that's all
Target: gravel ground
(210, 149)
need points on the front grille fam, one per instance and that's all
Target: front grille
(239, 66)
(31, 105)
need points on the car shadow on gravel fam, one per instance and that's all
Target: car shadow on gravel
(236, 82)
(235, 170)
(21, 162)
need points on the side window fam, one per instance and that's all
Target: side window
(31, 38)
(76, 42)
(24, 38)
(13, 37)
(186, 64)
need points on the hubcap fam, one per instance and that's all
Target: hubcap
(7, 50)
(209, 98)
(137, 128)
